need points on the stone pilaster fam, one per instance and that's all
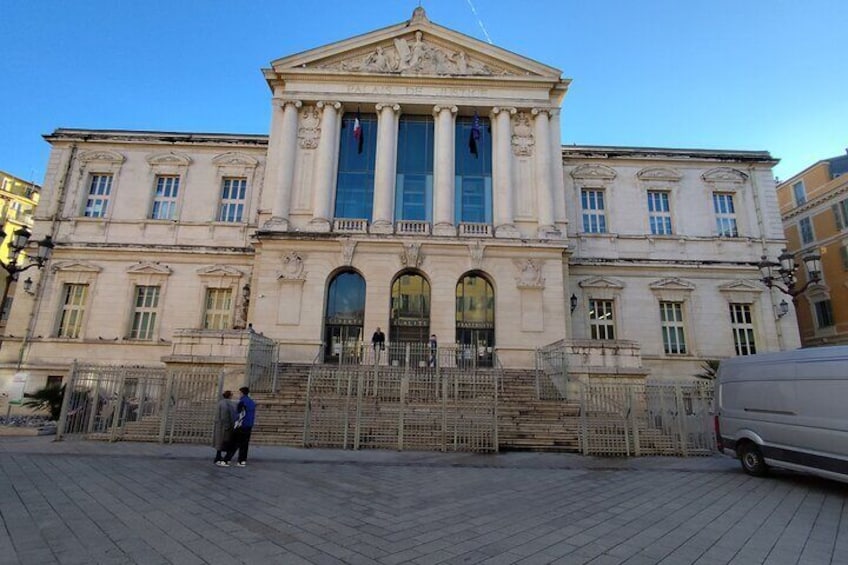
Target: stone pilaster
(444, 171)
(325, 167)
(385, 168)
(558, 186)
(544, 190)
(504, 207)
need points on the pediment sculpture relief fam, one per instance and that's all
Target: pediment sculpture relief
(415, 56)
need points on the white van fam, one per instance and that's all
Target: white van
(787, 409)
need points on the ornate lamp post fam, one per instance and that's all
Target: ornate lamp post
(19, 241)
(782, 274)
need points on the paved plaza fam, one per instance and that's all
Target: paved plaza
(76, 502)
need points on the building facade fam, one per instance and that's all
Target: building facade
(814, 210)
(18, 199)
(413, 180)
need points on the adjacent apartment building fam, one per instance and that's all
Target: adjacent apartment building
(814, 210)
(413, 179)
(18, 199)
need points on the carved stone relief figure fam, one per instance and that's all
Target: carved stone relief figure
(476, 251)
(292, 267)
(529, 274)
(411, 255)
(348, 248)
(522, 137)
(309, 131)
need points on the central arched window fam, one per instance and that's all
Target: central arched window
(355, 180)
(410, 309)
(345, 315)
(475, 319)
(414, 187)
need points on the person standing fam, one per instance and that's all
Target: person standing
(378, 344)
(242, 428)
(434, 348)
(222, 433)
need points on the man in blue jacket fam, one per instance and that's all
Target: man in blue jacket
(244, 425)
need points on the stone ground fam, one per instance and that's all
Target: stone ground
(75, 502)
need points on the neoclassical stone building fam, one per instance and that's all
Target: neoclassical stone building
(414, 180)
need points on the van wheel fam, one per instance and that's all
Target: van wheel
(752, 459)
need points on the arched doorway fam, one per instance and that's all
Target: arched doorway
(344, 320)
(475, 319)
(410, 309)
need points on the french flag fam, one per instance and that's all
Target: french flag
(357, 132)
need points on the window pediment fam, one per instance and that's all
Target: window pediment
(234, 159)
(105, 157)
(724, 176)
(741, 285)
(169, 160)
(671, 289)
(590, 172)
(601, 283)
(222, 271)
(74, 267)
(149, 268)
(659, 174)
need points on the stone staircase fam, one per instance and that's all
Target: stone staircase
(524, 423)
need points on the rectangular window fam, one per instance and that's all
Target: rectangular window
(824, 313)
(73, 308)
(473, 182)
(840, 214)
(233, 192)
(800, 194)
(671, 318)
(805, 225)
(843, 252)
(99, 190)
(659, 213)
(144, 312)
(218, 310)
(165, 199)
(357, 160)
(54, 380)
(725, 215)
(6, 308)
(601, 319)
(414, 186)
(742, 325)
(594, 216)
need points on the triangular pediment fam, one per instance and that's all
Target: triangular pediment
(600, 282)
(741, 285)
(219, 271)
(672, 283)
(148, 268)
(416, 48)
(75, 266)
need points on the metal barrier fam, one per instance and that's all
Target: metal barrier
(261, 365)
(408, 354)
(552, 372)
(116, 402)
(653, 418)
(401, 408)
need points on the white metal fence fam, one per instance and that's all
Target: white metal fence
(397, 408)
(113, 402)
(652, 418)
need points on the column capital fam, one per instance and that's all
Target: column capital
(280, 103)
(336, 105)
(394, 107)
(537, 111)
(437, 109)
(498, 109)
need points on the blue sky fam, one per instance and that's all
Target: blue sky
(719, 74)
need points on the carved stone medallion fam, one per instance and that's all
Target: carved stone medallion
(522, 137)
(309, 131)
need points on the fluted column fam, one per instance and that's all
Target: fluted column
(504, 199)
(385, 168)
(279, 175)
(444, 170)
(557, 186)
(544, 192)
(325, 166)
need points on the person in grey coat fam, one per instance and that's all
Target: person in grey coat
(222, 433)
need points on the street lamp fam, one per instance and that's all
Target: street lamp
(782, 274)
(18, 242)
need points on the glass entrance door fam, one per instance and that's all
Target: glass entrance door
(475, 321)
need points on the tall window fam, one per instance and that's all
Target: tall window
(99, 190)
(233, 191)
(806, 227)
(601, 319)
(473, 172)
(73, 308)
(594, 216)
(799, 193)
(840, 214)
(165, 199)
(742, 325)
(725, 214)
(824, 313)
(410, 309)
(144, 312)
(414, 187)
(659, 213)
(357, 157)
(218, 310)
(671, 319)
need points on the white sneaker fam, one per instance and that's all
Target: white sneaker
(222, 464)
(241, 464)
